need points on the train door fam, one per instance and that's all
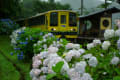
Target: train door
(46, 22)
(63, 23)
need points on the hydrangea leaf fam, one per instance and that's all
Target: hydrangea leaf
(50, 76)
(57, 68)
(116, 78)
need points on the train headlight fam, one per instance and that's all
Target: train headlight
(73, 29)
(53, 29)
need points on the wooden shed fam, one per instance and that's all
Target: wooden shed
(94, 24)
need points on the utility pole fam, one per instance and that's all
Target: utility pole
(82, 7)
(105, 4)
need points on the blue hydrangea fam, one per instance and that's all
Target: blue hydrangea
(26, 39)
(17, 48)
(41, 33)
(20, 57)
(11, 53)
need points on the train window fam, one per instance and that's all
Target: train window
(63, 19)
(72, 19)
(54, 19)
(40, 20)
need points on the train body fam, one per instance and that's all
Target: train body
(62, 23)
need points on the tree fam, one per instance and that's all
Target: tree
(10, 8)
(106, 4)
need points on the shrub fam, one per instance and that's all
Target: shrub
(101, 61)
(7, 26)
(22, 41)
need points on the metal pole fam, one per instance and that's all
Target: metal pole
(105, 4)
(82, 7)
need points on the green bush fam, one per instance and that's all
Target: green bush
(23, 39)
(7, 26)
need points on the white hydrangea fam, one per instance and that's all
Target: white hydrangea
(81, 51)
(72, 53)
(90, 45)
(118, 44)
(80, 67)
(69, 45)
(96, 42)
(105, 45)
(35, 45)
(39, 42)
(44, 69)
(87, 56)
(115, 60)
(93, 61)
(52, 49)
(42, 77)
(43, 54)
(36, 63)
(73, 74)
(109, 33)
(86, 76)
(35, 72)
(117, 33)
(53, 60)
(76, 46)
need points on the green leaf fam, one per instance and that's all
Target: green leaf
(116, 78)
(50, 76)
(57, 68)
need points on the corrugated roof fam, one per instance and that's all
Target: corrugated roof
(97, 12)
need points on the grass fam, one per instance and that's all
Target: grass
(6, 48)
(7, 70)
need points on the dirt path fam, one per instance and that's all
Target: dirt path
(22, 74)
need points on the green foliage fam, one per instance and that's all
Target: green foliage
(8, 26)
(57, 75)
(10, 8)
(57, 68)
(24, 42)
(116, 78)
(105, 70)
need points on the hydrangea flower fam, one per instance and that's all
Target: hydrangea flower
(43, 77)
(36, 63)
(69, 45)
(35, 72)
(73, 74)
(115, 60)
(44, 69)
(81, 51)
(80, 67)
(105, 45)
(117, 33)
(52, 49)
(87, 56)
(93, 61)
(109, 33)
(76, 46)
(118, 44)
(72, 53)
(86, 76)
(96, 42)
(90, 45)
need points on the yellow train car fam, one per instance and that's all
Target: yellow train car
(62, 23)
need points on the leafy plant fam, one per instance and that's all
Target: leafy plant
(57, 75)
(7, 26)
(24, 40)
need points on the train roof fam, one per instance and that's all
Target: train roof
(39, 14)
(111, 9)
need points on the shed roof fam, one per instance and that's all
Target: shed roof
(111, 9)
